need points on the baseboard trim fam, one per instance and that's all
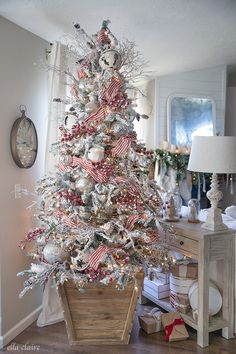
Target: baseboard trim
(19, 327)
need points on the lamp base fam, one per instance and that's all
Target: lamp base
(214, 220)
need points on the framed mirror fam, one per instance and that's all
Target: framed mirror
(189, 115)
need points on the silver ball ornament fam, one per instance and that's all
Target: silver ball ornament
(96, 154)
(53, 253)
(84, 185)
(91, 107)
(118, 128)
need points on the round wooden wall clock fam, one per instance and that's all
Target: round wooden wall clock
(24, 141)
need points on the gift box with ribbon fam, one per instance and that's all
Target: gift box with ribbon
(185, 270)
(174, 327)
(180, 302)
(150, 321)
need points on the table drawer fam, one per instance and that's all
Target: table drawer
(186, 245)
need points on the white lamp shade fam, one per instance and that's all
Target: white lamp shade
(213, 154)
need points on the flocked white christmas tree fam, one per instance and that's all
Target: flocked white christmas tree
(99, 213)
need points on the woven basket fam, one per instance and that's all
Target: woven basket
(101, 314)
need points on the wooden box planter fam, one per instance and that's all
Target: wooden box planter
(101, 314)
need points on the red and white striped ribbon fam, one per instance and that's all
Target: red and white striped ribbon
(96, 257)
(133, 188)
(98, 176)
(66, 219)
(64, 168)
(120, 179)
(152, 236)
(132, 219)
(112, 89)
(100, 114)
(122, 146)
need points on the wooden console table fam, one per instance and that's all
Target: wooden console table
(206, 246)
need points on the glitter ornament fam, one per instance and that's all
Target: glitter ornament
(110, 59)
(118, 128)
(84, 185)
(54, 253)
(96, 154)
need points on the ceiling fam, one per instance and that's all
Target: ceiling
(173, 35)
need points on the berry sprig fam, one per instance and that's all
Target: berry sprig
(74, 198)
(105, 167)
(128, 202)
(76, 131)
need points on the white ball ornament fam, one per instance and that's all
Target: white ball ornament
(54, 253)
(84, 185)
(91, 107)
(96, 154)
(110, 59)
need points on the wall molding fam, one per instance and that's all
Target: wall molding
(19, 327)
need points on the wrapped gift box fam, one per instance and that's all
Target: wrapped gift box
(156, 288)
(150, 322)
(174, 327)
(154, 273)
(180, 305)
(180, 298)
(185, 270)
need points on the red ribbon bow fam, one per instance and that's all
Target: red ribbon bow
(169, 328)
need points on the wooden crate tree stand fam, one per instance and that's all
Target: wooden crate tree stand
(101, 314)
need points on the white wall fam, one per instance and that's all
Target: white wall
(209, 82)
(21, 82)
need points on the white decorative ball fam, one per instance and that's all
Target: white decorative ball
(91, 107)
(96, 154)
(84, 185)
(54, 253)
(79, 259)
(110, 59)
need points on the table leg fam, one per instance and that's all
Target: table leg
(203, 294)
(228, 292)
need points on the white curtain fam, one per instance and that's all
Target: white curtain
(56, 89)
(52, 310)
(145, 100)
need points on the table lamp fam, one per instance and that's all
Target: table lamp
(213, 154)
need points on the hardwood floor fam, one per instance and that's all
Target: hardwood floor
(53, 339)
